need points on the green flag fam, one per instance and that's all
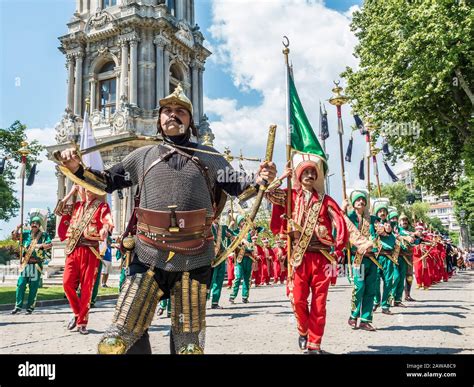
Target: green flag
(303, 138)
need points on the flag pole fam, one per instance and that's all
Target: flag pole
(323, 140)
(286, 52)
(24, 152)
(373, 154)
(338, 100)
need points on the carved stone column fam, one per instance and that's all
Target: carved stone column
(124, 70)
(201, 92)
(70, 82)
(78, 84)
(133, 71)
(195, 90)
(93, 93)
(160, 73)
(166, 69)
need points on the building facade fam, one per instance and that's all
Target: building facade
(124, 56)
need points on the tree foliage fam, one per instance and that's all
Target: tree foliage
(416, 82)
(10, 142)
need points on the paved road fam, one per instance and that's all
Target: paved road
(441, 321)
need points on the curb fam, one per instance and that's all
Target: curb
(58, 302)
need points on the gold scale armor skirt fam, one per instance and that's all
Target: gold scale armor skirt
(136, 307)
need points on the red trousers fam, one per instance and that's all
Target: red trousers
(312, 277)
(257, 272)
(421, 274)
(80, 269)
(230, 271)
(264, 272)
(276, 270)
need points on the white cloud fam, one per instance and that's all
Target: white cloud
(249, 46)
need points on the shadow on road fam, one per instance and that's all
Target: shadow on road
(443, 328)
(386, 350)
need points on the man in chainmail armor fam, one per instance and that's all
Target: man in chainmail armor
(181, 184)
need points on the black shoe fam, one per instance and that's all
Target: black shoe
(160, 311)
(231, 300)
(216, 306)
(72, 323)
(375, 307)
(386, 311)
(314, 352)
(92, 305)
(352, 322)
(29, 311)
(83, 330)
(303, 342)
(15, 311)
(245, 300)
(168, 314)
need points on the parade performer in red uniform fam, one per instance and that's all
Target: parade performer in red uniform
(421, 254)
(83, 225)
(315, 251)
(280, 263)
(269, 258)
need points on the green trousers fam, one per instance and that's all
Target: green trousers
(95, 290)
(123, 275)
(387, 276)
(243, 272)
(30, 276)
(216, 283)
(166, 305)
(363, 292)
(399, 275)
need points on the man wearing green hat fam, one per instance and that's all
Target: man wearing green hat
(387, 251)
(36, 245)
(405, 262)
(364, 269)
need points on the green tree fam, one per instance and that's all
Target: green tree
(463, 196)
(10, 140)
(436, 225)
(51, 226)
(397, 193)
(416, 62)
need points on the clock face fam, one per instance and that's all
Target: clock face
(96, 120)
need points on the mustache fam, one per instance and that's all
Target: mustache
(174, 119)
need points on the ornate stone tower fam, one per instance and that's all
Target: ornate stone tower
(124, 56)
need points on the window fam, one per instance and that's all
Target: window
(109, 3)
(171, 7)
(176, 76)
(107, 90)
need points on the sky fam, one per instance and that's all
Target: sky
(244, 80)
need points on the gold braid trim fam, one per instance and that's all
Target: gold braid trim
(78, 229)
(311, 222)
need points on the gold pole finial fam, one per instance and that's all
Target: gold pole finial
(338, 99)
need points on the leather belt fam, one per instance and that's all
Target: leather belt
(87, 243)
(316, 247)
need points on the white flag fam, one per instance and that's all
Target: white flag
(94, 159)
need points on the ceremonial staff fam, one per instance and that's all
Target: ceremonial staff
(24, 152)
(286, 52)
(338, 100)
